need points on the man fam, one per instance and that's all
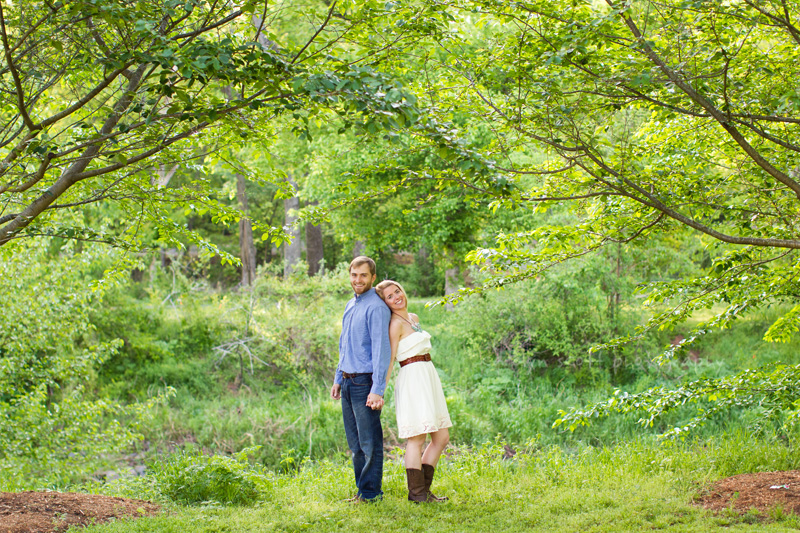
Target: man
(360, 380)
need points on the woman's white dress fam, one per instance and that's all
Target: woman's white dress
(418, 397)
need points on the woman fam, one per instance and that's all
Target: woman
(419, 400)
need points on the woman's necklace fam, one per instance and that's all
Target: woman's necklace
(416, 327)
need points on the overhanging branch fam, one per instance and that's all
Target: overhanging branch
(15, 75)
(703, 102)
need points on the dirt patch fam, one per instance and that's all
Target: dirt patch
(761, 491)
(48, 512)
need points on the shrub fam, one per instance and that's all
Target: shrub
(289, 325)
(190, 477)
(53, 431)
(161, 344)
(545, 325)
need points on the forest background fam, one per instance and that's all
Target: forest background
(607, 192)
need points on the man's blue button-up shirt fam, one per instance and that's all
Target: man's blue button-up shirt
(364, 344)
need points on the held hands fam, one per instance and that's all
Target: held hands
(375, 402)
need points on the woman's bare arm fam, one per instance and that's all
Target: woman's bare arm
(395, 330)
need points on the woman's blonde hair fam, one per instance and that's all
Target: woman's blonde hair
(385, 284)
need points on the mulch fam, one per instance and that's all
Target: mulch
(50, 512)
(762, 491)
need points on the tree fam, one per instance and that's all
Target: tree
(653, 117)
(393, 194)
(293, 249)
(97, 99)
(247, 248)
(53, 428)
(97, 94)
(314, 249)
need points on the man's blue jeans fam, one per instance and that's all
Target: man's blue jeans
(362, 425)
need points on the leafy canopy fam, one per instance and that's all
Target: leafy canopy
(99, 96)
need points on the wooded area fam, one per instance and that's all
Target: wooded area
(607, 191)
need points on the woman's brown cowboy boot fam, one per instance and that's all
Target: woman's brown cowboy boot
(427, 472)
(416, 485)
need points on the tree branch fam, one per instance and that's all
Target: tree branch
(784, 22)
(641, 230)
(17, 82)
(761, 133)
(319, 30)
(144, 155)
(650, 200)
(708, 106)
(205, 29)
(89, 96)
(36, 177)
(68, 177)
(261, 23)
(33, 28)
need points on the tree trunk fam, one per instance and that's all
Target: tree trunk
(451, 283)
(453, 278)
(292, 250)
(314, 256)
(614, 296)
(358, 248)
(247, 248)
(314, 250)
(163, 175)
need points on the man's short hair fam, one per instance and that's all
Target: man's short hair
(360, 260)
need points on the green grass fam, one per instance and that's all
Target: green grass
(633, 487)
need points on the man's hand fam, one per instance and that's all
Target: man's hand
(375, 401)
(336, 392)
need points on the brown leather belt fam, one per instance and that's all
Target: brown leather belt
(347, 375)
(415, 359)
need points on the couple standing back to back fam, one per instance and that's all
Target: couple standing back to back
(377, 329)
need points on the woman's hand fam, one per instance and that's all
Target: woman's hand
(375, 402)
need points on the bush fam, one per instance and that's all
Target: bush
(53, 430)
(191, 478)
(160, 345)
(45, 444)
(547, 326)
(290, 326)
